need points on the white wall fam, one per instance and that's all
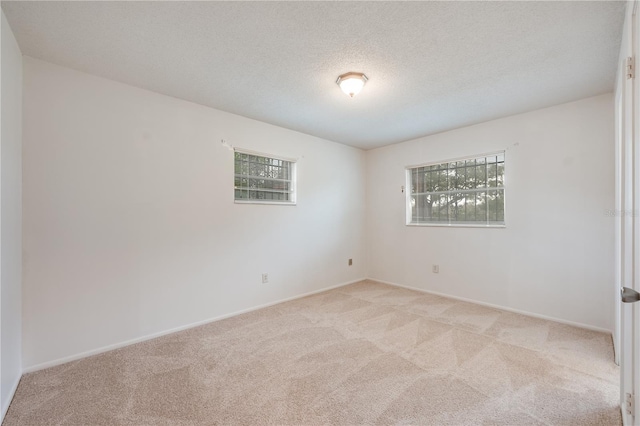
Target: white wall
(130, 228)
(10, 217)
(554, 258)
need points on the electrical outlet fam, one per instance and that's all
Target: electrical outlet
(265, 278)
(350, 262)
(435, 269)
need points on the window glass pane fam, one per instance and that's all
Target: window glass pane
(262, 178)
(443, 208)
(481, 176)
(464, 182)
(464, 208)
(456, 207)
(466, 191)
(481, 207)
(495, 206)
(427, 180)
(500, 216)
(499, 201)
(434, 213)
(442, 179)
(492, 170)
(500, 174)
(427, 208)
(471, 175)
(471, 207)
(417, 204)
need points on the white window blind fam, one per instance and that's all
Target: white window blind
(263, 179)
(458, 192)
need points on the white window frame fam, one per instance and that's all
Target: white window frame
(293, 181)
(408, 194)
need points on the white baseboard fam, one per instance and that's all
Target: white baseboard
(502, 308)
(107, 348)
(12, 392)
(64, 360)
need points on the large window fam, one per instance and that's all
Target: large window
(468, 191)
(262, 179)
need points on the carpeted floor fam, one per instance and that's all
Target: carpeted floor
(366, 353)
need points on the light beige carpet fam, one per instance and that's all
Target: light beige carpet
(366, 353)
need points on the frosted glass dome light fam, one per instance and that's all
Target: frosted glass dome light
(351, 83)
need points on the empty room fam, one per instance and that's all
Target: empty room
(319, 213)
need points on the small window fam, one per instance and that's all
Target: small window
(264, 179)
(457, 192)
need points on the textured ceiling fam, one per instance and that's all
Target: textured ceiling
(432, 66)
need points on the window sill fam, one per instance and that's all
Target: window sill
(272, 203)
(455, 225)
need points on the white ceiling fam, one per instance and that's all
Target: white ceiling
(432, 66)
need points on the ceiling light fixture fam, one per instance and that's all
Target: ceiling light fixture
(352, 83)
